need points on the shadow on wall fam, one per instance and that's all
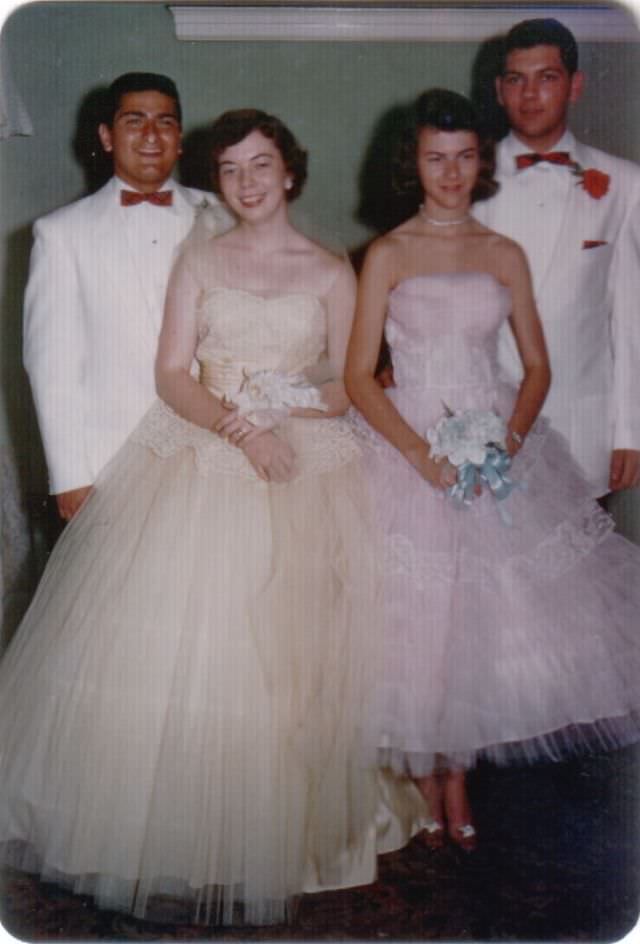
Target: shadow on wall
(379, 206)
(486, 67)
(28, 523)
(16, 394)
(22, 453)
(195, 162)
(88, 151)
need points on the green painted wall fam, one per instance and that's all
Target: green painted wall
(336, 97)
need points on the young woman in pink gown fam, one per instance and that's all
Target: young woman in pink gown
(508, 641)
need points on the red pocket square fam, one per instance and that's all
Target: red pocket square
(593, 243)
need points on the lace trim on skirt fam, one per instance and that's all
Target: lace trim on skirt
(566, 545)
(320, 445)
(574, 740)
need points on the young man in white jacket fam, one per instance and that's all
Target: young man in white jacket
(576, 212)
(97, 280)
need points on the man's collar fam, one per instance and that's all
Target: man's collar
(168, 184)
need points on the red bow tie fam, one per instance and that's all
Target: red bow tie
(160, 198)
(553, 157)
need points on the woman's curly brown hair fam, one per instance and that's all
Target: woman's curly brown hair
(234, 126)
(444, 111)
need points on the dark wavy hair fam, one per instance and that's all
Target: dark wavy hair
(139, 82)
(234, 126)
(444, 111)
(544, 31)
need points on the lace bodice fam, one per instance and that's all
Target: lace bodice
(239, 333)
(242, 332)
(442, 330)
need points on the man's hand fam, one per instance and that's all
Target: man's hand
(625, 469)
(70, 502)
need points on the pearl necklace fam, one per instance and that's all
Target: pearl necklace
(429, 219)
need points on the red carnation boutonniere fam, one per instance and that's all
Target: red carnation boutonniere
(595, 182)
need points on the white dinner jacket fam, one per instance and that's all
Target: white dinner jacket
(93, 312)
(585, 265)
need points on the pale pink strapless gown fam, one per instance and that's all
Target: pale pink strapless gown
(518, 642)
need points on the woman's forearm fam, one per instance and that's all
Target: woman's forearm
(332, 393)
(369, 397)
(189, 398)
(531, 396)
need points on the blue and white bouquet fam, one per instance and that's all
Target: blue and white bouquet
(474, 441)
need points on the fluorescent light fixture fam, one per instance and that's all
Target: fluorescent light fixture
(410, 23)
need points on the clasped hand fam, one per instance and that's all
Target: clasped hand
(439, 473)
(239, 428)
(271, 457)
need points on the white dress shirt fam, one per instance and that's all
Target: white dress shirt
(542, 194)
(150, 231)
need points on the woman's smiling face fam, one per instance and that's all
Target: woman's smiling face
(253, 177)
(447, 164)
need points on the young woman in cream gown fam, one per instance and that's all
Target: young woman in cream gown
(181, 710)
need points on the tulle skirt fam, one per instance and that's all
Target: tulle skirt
(515, 642)
(181, 711)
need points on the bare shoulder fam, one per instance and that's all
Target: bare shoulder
(203, 258)
(324, 267)
(229, 239)
(507, 247)
(385, 249)
(320, 257)
(507, 254)
(205, 248)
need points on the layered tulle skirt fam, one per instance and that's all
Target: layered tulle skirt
(182, 709)
(516, 642)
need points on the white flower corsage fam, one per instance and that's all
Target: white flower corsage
(268, 393)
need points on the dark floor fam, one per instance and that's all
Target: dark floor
(558, 860)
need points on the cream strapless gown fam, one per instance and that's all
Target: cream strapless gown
(181, 710)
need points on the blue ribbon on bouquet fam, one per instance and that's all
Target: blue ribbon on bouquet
(492, 474)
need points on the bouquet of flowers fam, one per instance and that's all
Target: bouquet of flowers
(474, 441)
